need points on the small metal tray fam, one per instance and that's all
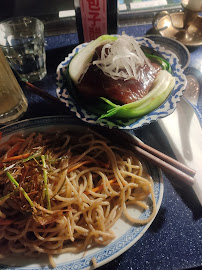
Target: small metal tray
(171, 26)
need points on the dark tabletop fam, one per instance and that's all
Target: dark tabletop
(174, 240)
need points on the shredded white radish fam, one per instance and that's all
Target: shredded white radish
(122, 59)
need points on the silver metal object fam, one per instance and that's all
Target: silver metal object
(185, 27)
(183, 131)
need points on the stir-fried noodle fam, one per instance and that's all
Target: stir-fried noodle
(62, 193)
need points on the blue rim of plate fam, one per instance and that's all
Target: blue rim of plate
(174, 46)
(119, 245)
(162, 111)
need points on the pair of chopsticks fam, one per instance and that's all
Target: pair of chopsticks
(166, 163)
(38, 91)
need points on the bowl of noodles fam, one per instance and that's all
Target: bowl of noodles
(95, 107)
(69, 196)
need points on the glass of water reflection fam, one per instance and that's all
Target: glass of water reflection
(22, 41)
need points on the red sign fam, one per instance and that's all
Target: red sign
(94, 18)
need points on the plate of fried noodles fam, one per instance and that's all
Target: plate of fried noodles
(69, 197)
(120, 81)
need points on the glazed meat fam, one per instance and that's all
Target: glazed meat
(96, 84)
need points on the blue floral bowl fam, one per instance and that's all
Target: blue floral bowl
(65, 94)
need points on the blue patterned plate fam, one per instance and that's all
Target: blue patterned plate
(165, 109)
(126, 234)
(174, 46)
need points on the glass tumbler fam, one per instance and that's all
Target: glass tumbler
(22, 41)
(13, 103)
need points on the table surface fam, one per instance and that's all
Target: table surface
(174, 240)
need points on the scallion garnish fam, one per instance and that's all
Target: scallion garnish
(12, 179)
(6, 197)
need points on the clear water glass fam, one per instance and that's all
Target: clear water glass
(22, 41)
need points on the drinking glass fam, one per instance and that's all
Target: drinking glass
(22, 41)
(13, 103)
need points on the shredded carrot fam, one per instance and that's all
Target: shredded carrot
(13, 150)
(99, 188)
(12, 141)
(105, 165)
(9, 159)
(20, 140)
(4, 221)
(32, 193)
(79, 165)
(15, 158)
